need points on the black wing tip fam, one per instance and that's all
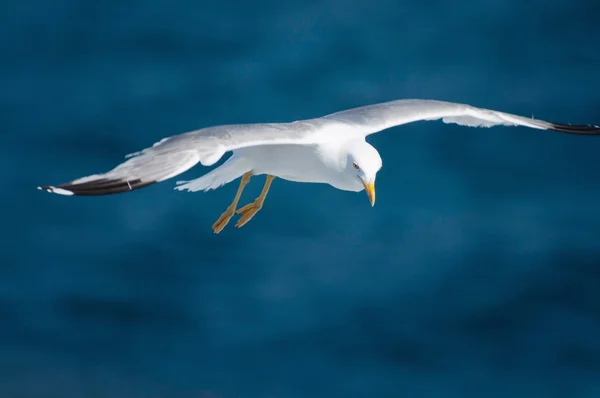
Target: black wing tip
(581, 129)
(102, 186)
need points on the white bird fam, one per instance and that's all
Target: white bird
(331, 149)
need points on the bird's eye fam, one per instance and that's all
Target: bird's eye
(355, 165)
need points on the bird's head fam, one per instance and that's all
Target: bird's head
(363, 163)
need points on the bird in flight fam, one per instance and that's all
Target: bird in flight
(331, 149)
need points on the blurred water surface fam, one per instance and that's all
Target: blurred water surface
(476, 274)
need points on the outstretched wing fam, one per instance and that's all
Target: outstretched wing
(174, 155)
(374, 118)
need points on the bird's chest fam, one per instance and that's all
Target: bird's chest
(290, 162)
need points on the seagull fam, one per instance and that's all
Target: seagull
(331, 149)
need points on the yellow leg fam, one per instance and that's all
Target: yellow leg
(226, 216)
(251, 209)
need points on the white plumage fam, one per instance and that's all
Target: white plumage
(331, 149)
(174, 155)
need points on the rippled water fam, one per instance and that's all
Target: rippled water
(476, 274)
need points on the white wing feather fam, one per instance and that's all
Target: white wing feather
(174, 155)
(374, 118)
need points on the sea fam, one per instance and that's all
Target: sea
(476, 274)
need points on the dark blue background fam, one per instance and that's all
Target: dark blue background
(476, 274)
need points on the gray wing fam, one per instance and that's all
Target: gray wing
(174, 155)
(374, 118)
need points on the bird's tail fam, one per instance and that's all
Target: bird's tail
(233, 168)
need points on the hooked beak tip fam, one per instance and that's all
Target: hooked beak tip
(370, 189)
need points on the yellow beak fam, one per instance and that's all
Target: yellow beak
(370, 189)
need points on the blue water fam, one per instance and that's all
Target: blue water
(477, 273)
